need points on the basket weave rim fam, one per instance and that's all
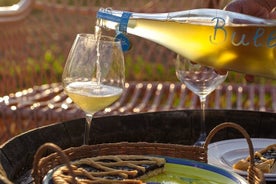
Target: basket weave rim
(42, 165)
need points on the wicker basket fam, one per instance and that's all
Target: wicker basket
(3, 176)
(42, 165)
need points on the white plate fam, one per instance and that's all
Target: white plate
(224, 154)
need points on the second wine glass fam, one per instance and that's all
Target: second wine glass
(93, 75)
(201, 80)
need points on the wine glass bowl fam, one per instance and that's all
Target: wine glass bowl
(93, 75)
(201, 80)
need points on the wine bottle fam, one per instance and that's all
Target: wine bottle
(217, 38)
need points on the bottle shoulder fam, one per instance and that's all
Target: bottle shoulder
(229, 17)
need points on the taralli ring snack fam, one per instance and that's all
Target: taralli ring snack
(265, 160)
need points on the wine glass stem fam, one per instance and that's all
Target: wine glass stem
(88, 123)
(202, 123)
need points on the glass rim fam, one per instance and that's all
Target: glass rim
(104, 38)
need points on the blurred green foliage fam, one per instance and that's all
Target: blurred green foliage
(137, 69)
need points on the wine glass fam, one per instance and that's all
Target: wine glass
(94, 74)
(201, 80)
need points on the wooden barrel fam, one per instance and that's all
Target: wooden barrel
(179, 127)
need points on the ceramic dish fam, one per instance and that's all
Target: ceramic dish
(224, 154)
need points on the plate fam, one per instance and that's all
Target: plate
(224, 154)
(181, 171)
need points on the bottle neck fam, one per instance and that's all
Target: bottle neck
(118, 20)
(119, 17)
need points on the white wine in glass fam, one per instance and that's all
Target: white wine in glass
(201, 80)
(94, 74)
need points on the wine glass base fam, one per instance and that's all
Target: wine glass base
(199, 143)
(201, 140)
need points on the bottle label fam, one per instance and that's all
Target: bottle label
(256, 36)
(125, 43)
(124, 21)
(108, 16)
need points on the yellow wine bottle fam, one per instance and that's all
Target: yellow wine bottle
(217, 38)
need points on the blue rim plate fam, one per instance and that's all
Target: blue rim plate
(182, 171)
(178, 171)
